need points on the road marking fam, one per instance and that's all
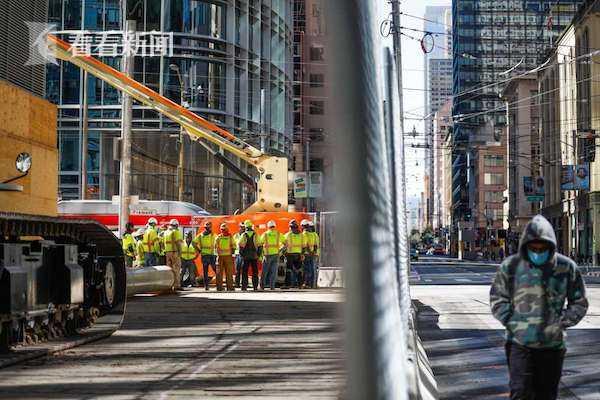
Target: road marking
(462, 280)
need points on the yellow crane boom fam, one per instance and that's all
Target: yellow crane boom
(272, 171)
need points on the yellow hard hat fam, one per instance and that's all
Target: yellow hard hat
(248, 223)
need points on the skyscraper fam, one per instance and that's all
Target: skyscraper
(438, 84)
(494, 40)
(234, 61)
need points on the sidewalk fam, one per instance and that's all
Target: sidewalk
(464, 344)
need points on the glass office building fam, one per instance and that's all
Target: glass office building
(235, 63)
(493, 40)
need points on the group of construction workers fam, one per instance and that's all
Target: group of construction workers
(227, 254)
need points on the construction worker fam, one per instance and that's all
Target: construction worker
(311, 253)
(271, 241)
(249, 243)
(224, 247)
(188, 255)
(205, 245)
(238, 257)
(139, 247)
(293, 245)
(172, 241)
(128, 244)
(162, 258)
(150, 242)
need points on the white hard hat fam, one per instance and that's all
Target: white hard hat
(174, 222)
(152, 221)
(271, 224)
(138, 233)
(304, 222)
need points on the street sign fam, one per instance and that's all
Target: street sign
(534, 188)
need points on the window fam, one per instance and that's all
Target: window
(316, 134)
(316, 54)
(317, 107)
(493, 179)
(316, 164)
(496, 214)
(490, 160)
(493, 197)
(316, 80)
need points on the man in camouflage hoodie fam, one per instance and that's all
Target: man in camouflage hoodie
(528, 297)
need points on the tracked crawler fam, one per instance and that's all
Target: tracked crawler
(58, 279)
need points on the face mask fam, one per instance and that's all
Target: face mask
(538, 258)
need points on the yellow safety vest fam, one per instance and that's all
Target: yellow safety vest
(207, 243)
(271, 241)
(140, 252)
(172, 239)
(224, 245)
(128, 245)
(294, 243)
(150, 241)
(236, 238)
(311, 242)
(188, 251)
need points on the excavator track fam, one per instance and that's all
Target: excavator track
(62, 284)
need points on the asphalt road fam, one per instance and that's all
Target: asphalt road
(464, 342)
(195, 345)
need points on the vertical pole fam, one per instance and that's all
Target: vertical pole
(84, 137)
(180, 166)
(180, 163)
(263, 133)
(125, 177)
(307, 169)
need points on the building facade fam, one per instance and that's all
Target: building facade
(569, 126)
(234, 61)
(442, 166)
(438, 81)
(494, 40)
(313, 144)
(523, 153)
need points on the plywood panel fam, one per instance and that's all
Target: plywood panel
(28, 124)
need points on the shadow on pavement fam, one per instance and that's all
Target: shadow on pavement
(471, 364)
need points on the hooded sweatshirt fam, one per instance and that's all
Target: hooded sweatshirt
(529, 300)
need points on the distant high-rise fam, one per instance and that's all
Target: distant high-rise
(493, 41)
(438, 82)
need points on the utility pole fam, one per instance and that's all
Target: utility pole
(125, 173)
(84, 137)
(180, 163)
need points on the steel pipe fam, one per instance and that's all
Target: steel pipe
(149, 280)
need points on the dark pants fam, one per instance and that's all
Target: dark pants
(293, 270)
(534, 373)
(190, 277)
(309, 271)
(239, 262)
(206, 261)
(254, 265)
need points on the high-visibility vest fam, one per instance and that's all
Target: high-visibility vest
(188, 251)
(128, 245)
(224, 245)
(294, 243)
(172, 240)
(271, 241)
(207, 243)
(150, 241)
(311, 242)
(140, 252)
(236, 238)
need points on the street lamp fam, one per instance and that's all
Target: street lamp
(180, 183)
